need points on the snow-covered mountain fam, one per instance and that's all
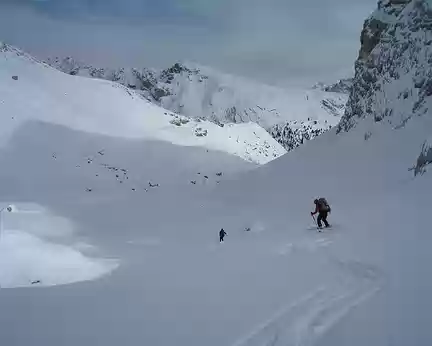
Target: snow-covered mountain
(134, 224)
(34, 91)
(204, 93)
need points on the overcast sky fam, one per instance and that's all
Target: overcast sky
(275, 41)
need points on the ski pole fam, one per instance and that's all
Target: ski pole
(313, 217)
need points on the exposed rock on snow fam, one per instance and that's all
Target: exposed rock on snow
(293, 134)
(179, 120)
(425, 157)
(199, 132)
(393, 74)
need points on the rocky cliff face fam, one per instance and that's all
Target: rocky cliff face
(386, 14)
(393, 73)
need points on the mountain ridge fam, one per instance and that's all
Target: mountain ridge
(203, 93)
(32, 90)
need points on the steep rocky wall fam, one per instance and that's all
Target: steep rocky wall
(386, 14)
(393, 73)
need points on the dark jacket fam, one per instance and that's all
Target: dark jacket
(320, 208)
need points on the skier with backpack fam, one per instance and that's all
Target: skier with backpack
(322, 208)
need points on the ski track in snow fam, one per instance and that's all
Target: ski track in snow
(303, 245)
(304, 321)
(148, 241)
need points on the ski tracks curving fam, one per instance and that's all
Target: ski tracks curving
(304, 321)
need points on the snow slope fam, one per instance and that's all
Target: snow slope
(279, 282)
(43, 244)
(363, 281)
(203, 93)
(43, 93)
(380, 237)
(275, 280)
(375, 168)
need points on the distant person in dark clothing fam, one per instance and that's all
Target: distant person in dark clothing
(322, 208)
(222, 235)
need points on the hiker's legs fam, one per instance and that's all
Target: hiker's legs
(319, 218)
(221, 238)
(324, 218)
